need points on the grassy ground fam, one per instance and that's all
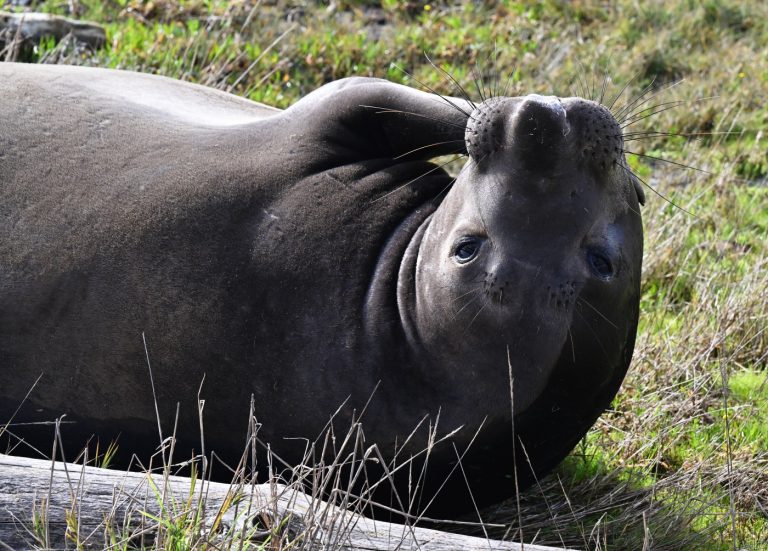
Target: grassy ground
(681, 460)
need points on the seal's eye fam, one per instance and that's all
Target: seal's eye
(466, 249)
(600, 264)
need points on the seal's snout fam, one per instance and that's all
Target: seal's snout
(539, 127)
(534, 125)
(540, 122)
(539, 133)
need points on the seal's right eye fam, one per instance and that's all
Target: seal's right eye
(466, 249)
(600, 264)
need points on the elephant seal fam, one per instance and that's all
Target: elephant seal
(306, 257)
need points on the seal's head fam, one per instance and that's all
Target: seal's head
(533, 258)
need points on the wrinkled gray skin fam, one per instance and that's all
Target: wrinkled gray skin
(304, 256)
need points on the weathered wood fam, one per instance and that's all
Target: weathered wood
(31, 27)
(100, 502)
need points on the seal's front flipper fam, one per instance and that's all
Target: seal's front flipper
(373, 118)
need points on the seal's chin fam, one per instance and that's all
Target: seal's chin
(532, 361)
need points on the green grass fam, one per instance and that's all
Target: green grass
(664, 452)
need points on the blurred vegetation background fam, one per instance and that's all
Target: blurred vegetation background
(681, 459)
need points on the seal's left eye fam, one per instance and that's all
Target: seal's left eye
(600, 264)
(466, 249)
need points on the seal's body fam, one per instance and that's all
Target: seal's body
(307, 257)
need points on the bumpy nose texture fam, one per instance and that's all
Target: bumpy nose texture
(537, 129)
(485, 128)
(600, 135)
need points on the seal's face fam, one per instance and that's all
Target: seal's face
(534, 255)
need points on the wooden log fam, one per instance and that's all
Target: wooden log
(61, 505)
(31, 27)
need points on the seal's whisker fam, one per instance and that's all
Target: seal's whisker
(486, 303)
(603, 86)
(638, 119)
(425, 147)
(477, 279)
(508, 83)
(591, 330)
(598, 312)
(478, 83)
(600, 85)
(573, 347)
(606, 80)
(589, 80)
(469, 301)
(463, 294)
(487, 82)
(662, 159)
(383, 110)
(456, 314)
(461, 89)
(496, 88)
(645, 135)
(398, 188)
(432, 90)
(453, 180)
(621, 92)
(655, 95)
(479, 161)
(631, 104)
(654, 190)
(582, 92)
(575, 92)
(489, 72)
(448, 185)
(642, 112)
(642, 203)
(582, 80)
